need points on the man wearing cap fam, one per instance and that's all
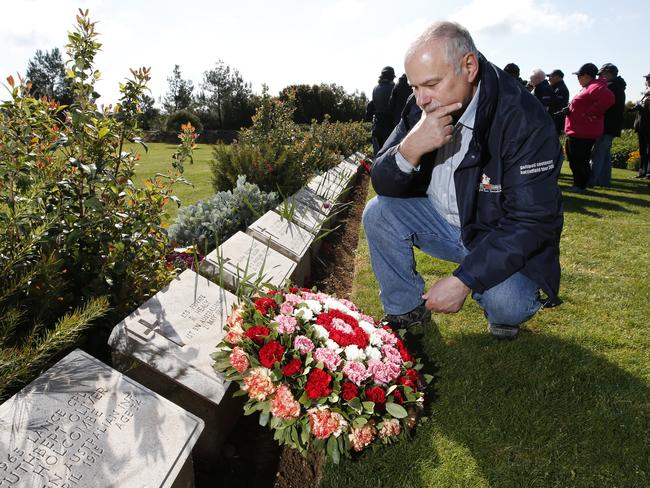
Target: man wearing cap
(469, 175)
(382, 120)
(601, 158)
(560, 99)
(642, 128)
(585, 123)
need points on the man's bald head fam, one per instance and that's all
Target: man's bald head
(456, 42)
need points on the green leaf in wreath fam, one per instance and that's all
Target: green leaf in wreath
(264, 418)
(333, 450)
(396, 410)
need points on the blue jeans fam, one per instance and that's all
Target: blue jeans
(394, 225)
(601, 162)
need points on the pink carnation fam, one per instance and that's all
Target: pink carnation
(329, 357)
(390, 428)
(385, 336)
(322, 297)
(292, 298)
(324, 423)
(286, 308)
(284, 405)
(350, 305)
(239, 360)
(391, 354)
(383, 373)
(367, 318)
(307, 295)
(235, 318)
(342, 326)
(356, 372)
(258, 384)
(286, 324)
(362, 437)
(234, 335)
(303, 344)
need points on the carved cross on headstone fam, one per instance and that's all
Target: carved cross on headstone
(156, 328)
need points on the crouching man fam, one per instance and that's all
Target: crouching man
(469, 175)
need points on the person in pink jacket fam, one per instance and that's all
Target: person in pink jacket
(585, 123)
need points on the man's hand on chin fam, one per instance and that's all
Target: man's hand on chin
(446, 295)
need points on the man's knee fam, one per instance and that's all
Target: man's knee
(505, 309)
(371, 216)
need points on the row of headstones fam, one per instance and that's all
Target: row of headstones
(84, 424)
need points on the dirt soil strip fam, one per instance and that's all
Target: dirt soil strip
(333, 273)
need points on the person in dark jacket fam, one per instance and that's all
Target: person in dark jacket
(398, 98)
(513, 70)
(469, 175)
(382, 120)
(642, 129)
(560, 99)
(601, 157)
(541, 89)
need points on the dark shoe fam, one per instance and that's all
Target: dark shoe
(639, 176)
(501, 332)
(413, 321)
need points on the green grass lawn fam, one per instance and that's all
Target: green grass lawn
(158, 160)
(567, 403)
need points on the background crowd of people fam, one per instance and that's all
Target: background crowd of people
(590, 120)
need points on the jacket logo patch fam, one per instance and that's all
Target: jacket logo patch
(488, 187)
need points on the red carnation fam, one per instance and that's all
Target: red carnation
(292, 367)
(293, 289)
(257, 333)
(318, 384)
(349, 391)
(377, 395)
(398, 396)
(406, 355)
(409, 379)
(271, 353)
(264, 305)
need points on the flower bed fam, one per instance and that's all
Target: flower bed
(320, 372)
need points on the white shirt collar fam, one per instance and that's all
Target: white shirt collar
(469, 116)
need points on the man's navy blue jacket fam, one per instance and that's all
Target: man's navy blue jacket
(509, 203)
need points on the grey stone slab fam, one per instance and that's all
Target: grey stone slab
(328, 186)
(83, 424)
(176, 330)
(306, 209)
(285, 237)
(310, 198)
(242, 257)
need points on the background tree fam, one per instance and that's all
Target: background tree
(150, 115)
(179, 96)
(226, 100)
(46, 72)
(316, 101)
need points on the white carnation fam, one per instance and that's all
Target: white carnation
(303, 313)
(373, 353)
(375, 339)
(321, 332)
(314, 305)
(354, 353)
(332, 304)
(330, 344)
(367, 327)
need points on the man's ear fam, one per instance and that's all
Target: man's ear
(470, 66)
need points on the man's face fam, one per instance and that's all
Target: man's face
(584, 80)
(647, 81)
(435, 82)
(553, 79)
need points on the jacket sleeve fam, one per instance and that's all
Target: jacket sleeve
(387, 178)
(532, 207)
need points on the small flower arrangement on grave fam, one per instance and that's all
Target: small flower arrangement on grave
(322, 374)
